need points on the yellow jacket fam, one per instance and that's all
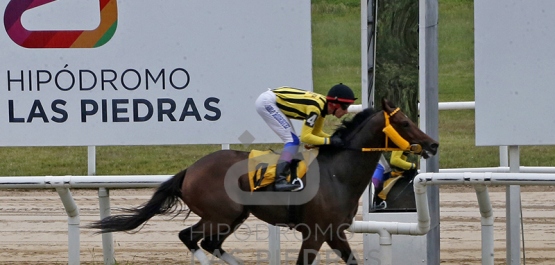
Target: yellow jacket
(308, 106)
(399, 160)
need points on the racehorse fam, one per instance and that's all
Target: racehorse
(343, 175)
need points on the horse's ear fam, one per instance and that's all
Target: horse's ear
(387, 106)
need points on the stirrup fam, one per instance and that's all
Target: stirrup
(301, 185)
(281, 184)
(381, 206)
(286, 186)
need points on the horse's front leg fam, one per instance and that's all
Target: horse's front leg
(338, 243)
(309, 249)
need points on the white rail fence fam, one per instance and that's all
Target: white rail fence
(480, 181)
(385, 229)
(62, 184)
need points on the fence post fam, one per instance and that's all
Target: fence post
(107, 238)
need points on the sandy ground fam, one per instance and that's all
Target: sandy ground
(33, 230)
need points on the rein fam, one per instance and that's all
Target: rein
(393, 135)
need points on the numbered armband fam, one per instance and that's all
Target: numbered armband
(311, 119)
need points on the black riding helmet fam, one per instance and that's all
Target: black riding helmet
(341, 93)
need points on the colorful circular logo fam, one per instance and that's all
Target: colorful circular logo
(59, 38)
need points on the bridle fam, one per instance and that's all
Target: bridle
(395, 137)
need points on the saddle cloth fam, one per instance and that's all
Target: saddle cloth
(262, 166)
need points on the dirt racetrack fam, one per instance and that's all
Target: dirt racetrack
(33, 230)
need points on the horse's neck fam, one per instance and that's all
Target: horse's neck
(350, 169)
(354, 168)
(371, 133)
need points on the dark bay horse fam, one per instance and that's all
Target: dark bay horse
(342, 176)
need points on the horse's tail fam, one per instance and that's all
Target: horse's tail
(166, 200)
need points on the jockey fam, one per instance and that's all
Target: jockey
(397, 166)
(399, 163)
(279, 105)
(381, 174)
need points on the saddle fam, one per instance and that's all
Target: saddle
(262, 167)
(389, 183)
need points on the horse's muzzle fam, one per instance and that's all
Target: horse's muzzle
(429, 150)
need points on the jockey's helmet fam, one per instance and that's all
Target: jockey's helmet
(341, 93)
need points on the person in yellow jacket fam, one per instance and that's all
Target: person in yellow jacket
(386, 175)
(278, 106)
(398, 161)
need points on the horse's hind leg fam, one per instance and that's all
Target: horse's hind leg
(338, 243)
(214, 235)
(190, 237)
(213, 243)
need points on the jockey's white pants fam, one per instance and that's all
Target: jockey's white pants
(266, 106)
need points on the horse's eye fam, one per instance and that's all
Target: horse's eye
(406, 124)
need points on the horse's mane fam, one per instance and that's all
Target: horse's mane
(348, 126)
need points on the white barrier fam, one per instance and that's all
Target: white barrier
(80, 182)
(479, 181)
(460, 105)
(384, 229)
(62, 184)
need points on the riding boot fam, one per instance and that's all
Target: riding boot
(282, 171)
(377, 199)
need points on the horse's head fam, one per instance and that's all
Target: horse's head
(405, 134)
(367, 128)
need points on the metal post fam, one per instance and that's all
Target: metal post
(366, 240)
(513, 210)
(104, 207)
(503, 156)
(73, 221)
(487, 223)
(369, 15)
(107, 238)
(368, 18)
(428, 83)
(91, 160)
(274, 245)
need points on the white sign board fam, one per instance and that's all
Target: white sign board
(139, 72)
(514, 72)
